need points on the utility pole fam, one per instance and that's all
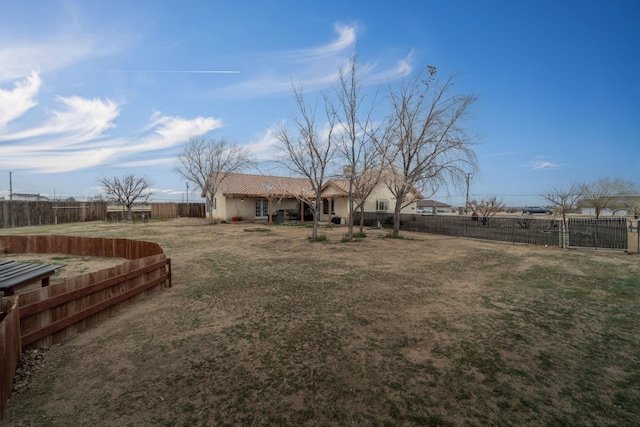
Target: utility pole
(11, 198)
(187, 192)
(466, 205)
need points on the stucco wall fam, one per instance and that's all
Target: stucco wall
(381, 192)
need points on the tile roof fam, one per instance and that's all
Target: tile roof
(341, 184)
(263, 185)
(432, 203)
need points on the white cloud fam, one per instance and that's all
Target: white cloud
(540, 164)
(147, 163)
(346, 40)
(313, 68)
(74, 138)
(264, 147)
(15, 103)
(52, 51)
(402, 68)
(84, 119)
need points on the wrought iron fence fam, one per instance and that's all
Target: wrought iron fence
(608, 233)
(583, 232)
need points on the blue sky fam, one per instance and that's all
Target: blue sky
(103, 88)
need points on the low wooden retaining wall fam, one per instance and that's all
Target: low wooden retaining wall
(48, 315)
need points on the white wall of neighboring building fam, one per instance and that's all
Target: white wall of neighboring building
(382, 192)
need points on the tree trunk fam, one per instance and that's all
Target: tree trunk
(396, 218)
(351, 209)
(210, 210)
(316, 217)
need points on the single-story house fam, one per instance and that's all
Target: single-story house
(263, 198)
(432, 207)
(24, 197)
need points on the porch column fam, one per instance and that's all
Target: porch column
(330, 206)
(270, 210)
(301, 211)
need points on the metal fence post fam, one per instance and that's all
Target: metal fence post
(633, 238)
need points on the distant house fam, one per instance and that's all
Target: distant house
(263, 198)
(432, 207)
(24, 197)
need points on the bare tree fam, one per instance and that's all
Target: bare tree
(564, 200)
(363, 162)
(207, 161)
(605, 193)
(632, 206)
(485, 209)
(428, 145)
(306, 151)
(366, 181)
(127, 191)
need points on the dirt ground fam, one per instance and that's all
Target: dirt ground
(264, 327)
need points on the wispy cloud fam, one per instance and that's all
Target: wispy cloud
(313, 68)
(55, 52)
(402, 68)
(15, 103)
(264, 147)
(541, 164)
(345, 41)
(82, 119)
(76, 137)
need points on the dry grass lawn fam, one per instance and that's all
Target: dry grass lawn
(264, 327)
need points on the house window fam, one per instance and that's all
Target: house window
(382, 205)
(215, 204)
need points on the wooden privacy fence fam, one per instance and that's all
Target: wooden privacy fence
(75, 245)
(10, 350)
(26, 213)
(192, 210)
(48, 315)
(175, 210)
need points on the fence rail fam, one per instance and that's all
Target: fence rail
(583, 232)
(46, 316)
(49, 315)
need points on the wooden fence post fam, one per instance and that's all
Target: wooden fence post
(11, 348)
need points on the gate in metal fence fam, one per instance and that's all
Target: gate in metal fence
(609, 233)
(583, 232)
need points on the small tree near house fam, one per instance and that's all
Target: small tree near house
(207, 161)
(356, 141)
(128, 191)
(428, 145)
(307, 149)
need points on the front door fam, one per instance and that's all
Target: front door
(262, 208)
